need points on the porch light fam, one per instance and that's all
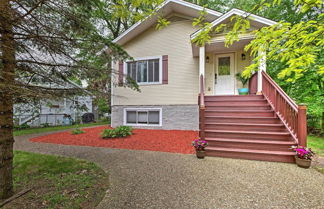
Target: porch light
(243, 57)
(207, 59)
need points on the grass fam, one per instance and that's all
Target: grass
(57, 182)
(55, 128)
(319, 169)
(317, 144)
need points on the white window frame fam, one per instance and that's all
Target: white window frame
(144, 59)
(142, 109)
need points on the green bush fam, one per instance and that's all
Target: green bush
(118, 132)
(22, 127)
(77, 131)
(45, 125)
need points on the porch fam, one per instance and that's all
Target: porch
(219, 65)
(260, 126)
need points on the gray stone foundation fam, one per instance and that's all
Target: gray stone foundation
(174, 117)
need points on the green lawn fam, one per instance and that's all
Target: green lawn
(54, 128)
(317, 144)
(57, 182)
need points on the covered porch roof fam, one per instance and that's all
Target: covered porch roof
(256, 20)
(218, 45)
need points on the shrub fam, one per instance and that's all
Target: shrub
(45, 125)
(243, 80)
(22, 127)
(77, 131)
(118, 132)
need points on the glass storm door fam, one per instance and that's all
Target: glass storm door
(224, 75)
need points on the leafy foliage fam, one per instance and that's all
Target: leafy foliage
(241, 78)
(294, 46)
(77, 131)
(118, 132)
(162, 23)
(22, 126)
(45, 125)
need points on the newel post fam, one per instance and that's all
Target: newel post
(262, 67)
(202, 108)
(302, 125)
(202, 122)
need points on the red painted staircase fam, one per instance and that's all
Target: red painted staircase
(245, 127)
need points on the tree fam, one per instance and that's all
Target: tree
(39, 43)
(46, 43)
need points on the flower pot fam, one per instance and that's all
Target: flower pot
(200, 154)
(303, 163)
(243, 91)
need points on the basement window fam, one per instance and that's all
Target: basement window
(143, 117)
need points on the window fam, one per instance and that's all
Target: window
(143, 117)
(224, 66)
(145, 71)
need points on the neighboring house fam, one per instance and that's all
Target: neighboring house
(170, 70)
(63, 111)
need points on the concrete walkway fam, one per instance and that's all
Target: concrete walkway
(145, 179)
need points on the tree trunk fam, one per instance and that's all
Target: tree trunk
(7, 70)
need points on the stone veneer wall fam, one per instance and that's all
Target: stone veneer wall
(174, 117)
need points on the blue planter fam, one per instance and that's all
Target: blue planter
(243, 91)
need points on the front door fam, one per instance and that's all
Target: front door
(224, 74)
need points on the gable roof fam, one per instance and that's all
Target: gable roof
(166, 8)
(224, 17)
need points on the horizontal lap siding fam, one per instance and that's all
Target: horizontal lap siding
(182, 87)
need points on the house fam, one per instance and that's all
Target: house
(62, 111)
(187, 87)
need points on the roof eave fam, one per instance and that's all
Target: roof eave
(165, 3)
(237, 12)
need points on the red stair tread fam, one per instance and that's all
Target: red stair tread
(242, 100)
(250, 151)
(249, 132)
(245, 124)
(239, 111)
(264, 105)
(235, 117)
(252, 141)
(234, 96)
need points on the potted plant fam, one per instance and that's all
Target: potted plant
(200, 146)
(242, 91)
(303, 156)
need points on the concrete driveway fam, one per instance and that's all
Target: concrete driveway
(146, 179)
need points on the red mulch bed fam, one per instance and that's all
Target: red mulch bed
(175, 141)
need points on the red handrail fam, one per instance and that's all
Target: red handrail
(202, 108)
(292, 115)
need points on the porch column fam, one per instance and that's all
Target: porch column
(262, 67)
(201, 63)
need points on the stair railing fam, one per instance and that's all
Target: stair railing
(202, 108)
(292, 115)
